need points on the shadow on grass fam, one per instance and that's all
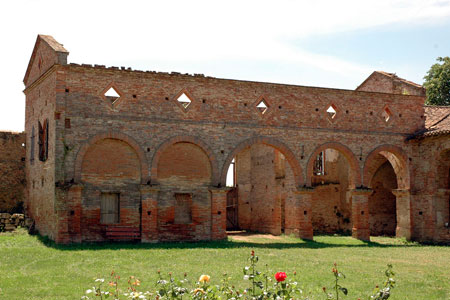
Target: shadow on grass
(225, 244)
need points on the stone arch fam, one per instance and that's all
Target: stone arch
(355, 173)
(396, 157)
(290, 157)
(185, 139)
(112, 135)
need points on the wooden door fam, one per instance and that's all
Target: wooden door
(232, 209)
(109, 208)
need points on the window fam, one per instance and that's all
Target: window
(43, 141)
(183, 208)
(319, 164)
(32, 146)
(109, 208)
(231, 174)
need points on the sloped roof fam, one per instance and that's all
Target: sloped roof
(49, 40)
(391, 76)
(394, 76)
(437, 120)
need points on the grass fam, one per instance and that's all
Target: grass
(31, 267)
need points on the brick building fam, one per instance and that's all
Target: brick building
(115, 153)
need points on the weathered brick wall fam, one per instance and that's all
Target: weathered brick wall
(382, 203)
(175, 147)
(431, 194)
(12, 171)
(42, 205)
(378, 82)
(183, 168)
(110, 166)
(331, 206)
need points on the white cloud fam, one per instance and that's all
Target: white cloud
(193, 32)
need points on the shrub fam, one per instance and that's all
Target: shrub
(260, 285)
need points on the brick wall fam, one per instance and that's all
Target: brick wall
(12, 171)
(187, 150)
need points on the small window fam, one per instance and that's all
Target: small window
(43, 141)
(319, 164)
(183, 208)
(184, 100)
(109, 208)
(262, 107)
(32, 146)
(231, 174)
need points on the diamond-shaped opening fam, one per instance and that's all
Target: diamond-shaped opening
(184, 100)
(112, 95)
(262, 107)
(386, 114)
(331, 111)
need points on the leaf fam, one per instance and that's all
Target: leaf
(344, 290)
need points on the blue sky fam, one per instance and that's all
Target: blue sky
(324, 43)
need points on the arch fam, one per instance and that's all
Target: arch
(112, 135)
(290, 157)
(185, 139)
(396, 157)
(355, 172)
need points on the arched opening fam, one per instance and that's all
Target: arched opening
(382, 202)
(111, 176)
(443, 193)
(386, 173)
(184, 174)
(262, 183)
(333, 175)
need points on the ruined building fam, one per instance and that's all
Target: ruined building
(119, 154)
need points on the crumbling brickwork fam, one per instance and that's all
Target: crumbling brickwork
(151, 161)
(12, 171)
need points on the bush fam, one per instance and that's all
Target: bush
(260, 285)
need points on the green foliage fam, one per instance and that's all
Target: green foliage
(261, 287)
(437, 82)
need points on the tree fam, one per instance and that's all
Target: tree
(437, 82)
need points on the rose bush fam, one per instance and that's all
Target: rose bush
(260, 286)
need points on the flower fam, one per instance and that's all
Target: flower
(280, 276)
(198, 290)
(204, 278)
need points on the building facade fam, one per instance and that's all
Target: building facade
(120, 154)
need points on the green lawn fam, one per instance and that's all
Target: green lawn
(33, 268)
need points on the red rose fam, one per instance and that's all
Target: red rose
(280, 276)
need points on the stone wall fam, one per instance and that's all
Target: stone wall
(12, 172)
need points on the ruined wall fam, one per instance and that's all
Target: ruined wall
(221, 120)
(378, 82)
(12, 172)
(184, 199)
(382, 203)
(431, 194)
(41, 202)
(109, 166)
(331, 206)
(265, 190)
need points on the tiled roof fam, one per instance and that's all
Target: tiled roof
(437, 120)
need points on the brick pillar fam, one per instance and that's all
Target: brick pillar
(74, 207)
(360, 213)
(218, 213)
(403, 204)
(442, 212)
(149, 213)
(301, 224)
